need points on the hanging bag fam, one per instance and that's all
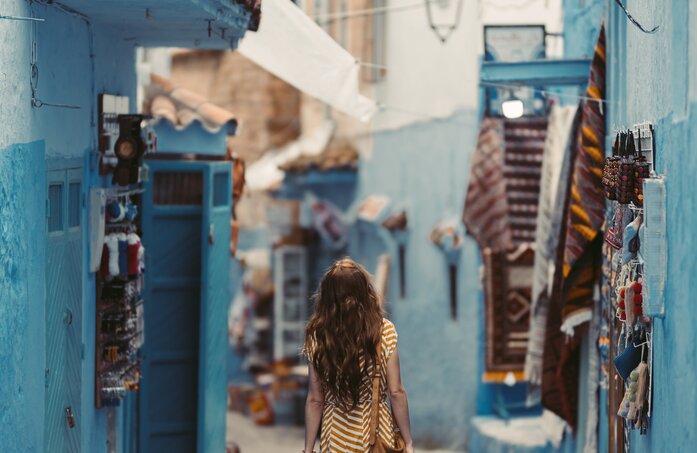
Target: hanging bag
(376, 443)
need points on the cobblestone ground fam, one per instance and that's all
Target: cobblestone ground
(278, 439)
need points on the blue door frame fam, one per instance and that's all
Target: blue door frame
(63, 374)
(183, 386)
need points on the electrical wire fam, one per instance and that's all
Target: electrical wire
(634, 21)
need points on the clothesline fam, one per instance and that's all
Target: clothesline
(545, 92)
(329, 17)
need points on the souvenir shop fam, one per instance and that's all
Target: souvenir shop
(160, 315)
(574, 258)
(633, 278)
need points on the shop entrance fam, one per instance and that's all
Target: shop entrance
(187, 247)
(63, 307)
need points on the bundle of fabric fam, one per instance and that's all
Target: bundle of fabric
(579, 253)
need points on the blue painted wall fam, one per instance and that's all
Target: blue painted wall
(22, 330)
(652, 77)
(67, 74)
(425, 165)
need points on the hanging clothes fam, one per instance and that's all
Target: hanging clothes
(486, 205)
(556, 166)
(578, 254)
(500, 213)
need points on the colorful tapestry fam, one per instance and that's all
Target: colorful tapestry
(524, 140)
(486, 207)
(507, 290)
(578, 254)
(501, 214)
(587, 203)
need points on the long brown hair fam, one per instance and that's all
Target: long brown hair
(345, 330)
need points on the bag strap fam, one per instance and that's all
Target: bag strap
(375, 404)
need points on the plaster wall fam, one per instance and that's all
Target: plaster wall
(22, 327)
(652, 77)
(76, 60)
(426, 78)
(424, 166)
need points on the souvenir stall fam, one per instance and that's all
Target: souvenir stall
(116, 252)
(633, 280)
(537, 242)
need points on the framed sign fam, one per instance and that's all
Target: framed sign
(511, 44)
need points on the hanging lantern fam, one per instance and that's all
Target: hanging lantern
(437, 13)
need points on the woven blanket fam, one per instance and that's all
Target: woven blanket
(486, 206)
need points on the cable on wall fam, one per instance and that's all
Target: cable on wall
(634, 21)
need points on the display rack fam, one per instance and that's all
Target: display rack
(119, 309)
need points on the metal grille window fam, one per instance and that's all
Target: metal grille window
(55, 207)
(73, 204)
(178, 188)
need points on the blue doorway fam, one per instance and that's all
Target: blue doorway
(186, 223)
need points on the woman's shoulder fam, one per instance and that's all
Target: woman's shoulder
(389, 333)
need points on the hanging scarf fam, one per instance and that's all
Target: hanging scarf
(578, 255)
(587, 204)
(486, 206)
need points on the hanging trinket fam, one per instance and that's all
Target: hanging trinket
(626, 179)
(611, 170)
(641, 171)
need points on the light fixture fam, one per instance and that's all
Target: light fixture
(512, 108)
(129, 148)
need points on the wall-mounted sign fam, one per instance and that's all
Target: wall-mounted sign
(514, 43)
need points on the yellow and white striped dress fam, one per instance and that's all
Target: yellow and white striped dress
(348, 432)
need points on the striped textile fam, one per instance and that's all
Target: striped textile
(486, 205)
(587, 204)
(348, 432)
(504, 186)
(524, 140)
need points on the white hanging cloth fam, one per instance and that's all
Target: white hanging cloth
(294, 48)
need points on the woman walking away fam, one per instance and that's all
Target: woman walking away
(353, 358)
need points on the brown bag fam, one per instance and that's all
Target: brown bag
(376, 444)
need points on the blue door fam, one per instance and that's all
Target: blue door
(63, 308)
(187, 239)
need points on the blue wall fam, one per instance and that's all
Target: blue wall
(652, 77)
(425, 165)
(22, 330)
(76, 61)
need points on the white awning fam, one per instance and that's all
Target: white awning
(294, 48)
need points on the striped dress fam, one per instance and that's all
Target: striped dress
(348, 432)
